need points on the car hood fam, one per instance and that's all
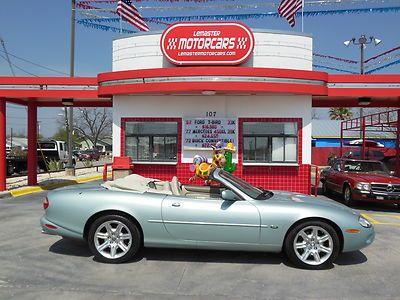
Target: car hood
(373, 177)
(283, 196)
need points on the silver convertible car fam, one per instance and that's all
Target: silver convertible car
(119, 217)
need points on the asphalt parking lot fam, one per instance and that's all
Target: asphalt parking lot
(37, 266)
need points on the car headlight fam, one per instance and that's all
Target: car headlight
(363, 186)
(364, 222)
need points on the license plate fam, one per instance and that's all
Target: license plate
(379, 197)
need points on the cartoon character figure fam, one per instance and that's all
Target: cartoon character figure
(229, 166)
(218, 157)
(202, 168)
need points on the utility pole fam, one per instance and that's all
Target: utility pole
(362, 41)
(70, 169)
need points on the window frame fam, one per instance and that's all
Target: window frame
(151, 137)
(270, 137)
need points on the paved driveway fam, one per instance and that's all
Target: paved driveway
(37, 266)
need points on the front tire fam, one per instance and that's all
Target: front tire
(114, 239)
(347, 195)
(325, 189)
(312, 245)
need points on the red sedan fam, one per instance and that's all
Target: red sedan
(361, 180)
(93, 154)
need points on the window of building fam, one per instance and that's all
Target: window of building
(270, 142)
(151, 141)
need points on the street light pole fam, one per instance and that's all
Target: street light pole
(70, 170)
(362, 42)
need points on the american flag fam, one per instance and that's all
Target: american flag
(129, 12)
(288, 10)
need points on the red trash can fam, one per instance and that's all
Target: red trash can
(122, 166)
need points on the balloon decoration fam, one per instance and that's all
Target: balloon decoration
(221, 158)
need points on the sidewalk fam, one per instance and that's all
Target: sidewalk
(18, 186)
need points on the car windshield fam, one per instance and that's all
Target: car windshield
(246, 187)
(365, 167)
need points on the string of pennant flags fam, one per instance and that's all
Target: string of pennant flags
(101, 14)
(333, 69)
(229, 5)
(319, 2)
(238, 17)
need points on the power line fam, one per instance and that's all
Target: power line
(19, 68)
(3, 44)
(35, 64)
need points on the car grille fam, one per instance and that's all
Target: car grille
(385, 188)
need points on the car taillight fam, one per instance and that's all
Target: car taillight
(46, 203)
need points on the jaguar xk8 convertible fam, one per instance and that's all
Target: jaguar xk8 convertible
(119, 217)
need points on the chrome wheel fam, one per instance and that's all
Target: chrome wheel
(112, 239)
(313, 245)
(348, 199)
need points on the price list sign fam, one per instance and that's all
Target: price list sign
(204, 132)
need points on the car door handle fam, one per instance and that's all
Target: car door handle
(176, 204)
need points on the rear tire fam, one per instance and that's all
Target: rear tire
(114, 239)
(312, 245)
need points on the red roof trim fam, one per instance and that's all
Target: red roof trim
(48, 80)
(223, 87)
(211, 71)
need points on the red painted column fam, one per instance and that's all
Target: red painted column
(32, 142)
(3, 162)
(398, 145)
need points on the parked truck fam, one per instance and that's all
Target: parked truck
(47, 151)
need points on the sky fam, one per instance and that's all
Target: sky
(39, 31)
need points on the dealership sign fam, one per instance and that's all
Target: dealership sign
(207, 43)
(202, 133)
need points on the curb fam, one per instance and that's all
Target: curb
(36, 189)
(5, 194)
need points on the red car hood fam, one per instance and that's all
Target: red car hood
(370, 177)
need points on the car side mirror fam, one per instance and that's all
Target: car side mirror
(229, 195)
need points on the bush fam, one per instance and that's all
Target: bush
(55, 165)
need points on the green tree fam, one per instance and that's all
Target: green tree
(61, 135)
(340, 113)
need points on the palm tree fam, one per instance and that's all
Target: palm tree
(340, 113)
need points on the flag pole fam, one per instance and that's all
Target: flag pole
(302, 16)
